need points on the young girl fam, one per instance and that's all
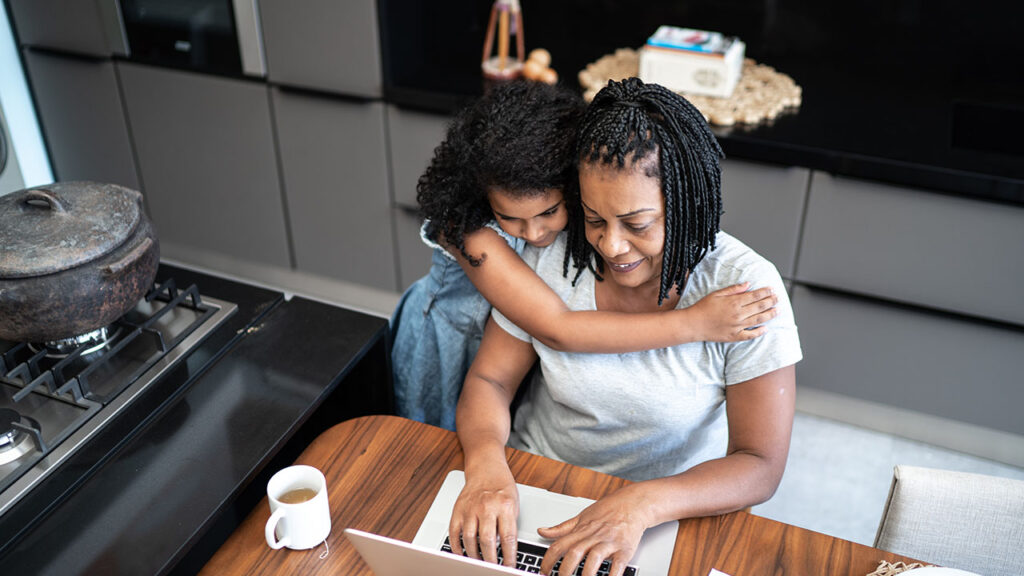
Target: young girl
(495, 185)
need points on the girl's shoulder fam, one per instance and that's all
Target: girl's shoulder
(513, 242)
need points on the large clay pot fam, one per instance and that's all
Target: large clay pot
(74, 257)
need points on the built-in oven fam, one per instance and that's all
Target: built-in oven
(215, 36)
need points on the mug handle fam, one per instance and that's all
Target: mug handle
(272, 540)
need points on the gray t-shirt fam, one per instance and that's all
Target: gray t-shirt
(646, 414)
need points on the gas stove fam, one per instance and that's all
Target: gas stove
(56, 396)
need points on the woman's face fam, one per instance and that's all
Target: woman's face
(624, 215)
(536, 218)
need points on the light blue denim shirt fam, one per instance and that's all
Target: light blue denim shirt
(437, 327)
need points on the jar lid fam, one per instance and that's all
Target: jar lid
(59, 226)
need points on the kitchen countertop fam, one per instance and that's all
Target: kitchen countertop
(897, 94)
(173, 491)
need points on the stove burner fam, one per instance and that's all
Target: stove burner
(92, 342)
(14, 443)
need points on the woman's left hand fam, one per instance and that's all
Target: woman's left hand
(609, 529)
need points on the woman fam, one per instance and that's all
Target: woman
(702, 428)
(494, 185)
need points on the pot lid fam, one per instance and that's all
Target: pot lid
(51, 228)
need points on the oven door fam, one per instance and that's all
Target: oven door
(214, 36)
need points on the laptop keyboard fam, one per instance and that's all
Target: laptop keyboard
(529, 555)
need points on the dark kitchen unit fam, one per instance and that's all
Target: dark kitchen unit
(141, 453)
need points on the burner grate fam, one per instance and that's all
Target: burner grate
(143, 339)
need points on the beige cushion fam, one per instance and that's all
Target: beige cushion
(968, 521)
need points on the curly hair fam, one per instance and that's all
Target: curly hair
(519, 136)
(627, 123)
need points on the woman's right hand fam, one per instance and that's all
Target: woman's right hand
(733, 314)
(484, 514)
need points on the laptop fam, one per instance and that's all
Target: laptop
(537, 508)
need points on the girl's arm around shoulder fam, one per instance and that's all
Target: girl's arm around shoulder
(729, 315)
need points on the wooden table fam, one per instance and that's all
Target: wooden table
(383, 472)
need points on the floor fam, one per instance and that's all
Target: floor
(837, 477)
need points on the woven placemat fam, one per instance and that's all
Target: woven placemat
(761, 94)
(888, 569)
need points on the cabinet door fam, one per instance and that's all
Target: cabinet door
(81, 113)
(763, 206)
(413, 255)
(80, 26)
(413, 137)
(207, 163)
(323, 44)
(910, 359)
(914, 246)
(333, 158)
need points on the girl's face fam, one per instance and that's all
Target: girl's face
(624, 215)
(536, 218)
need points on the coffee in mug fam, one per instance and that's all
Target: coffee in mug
(300, 517)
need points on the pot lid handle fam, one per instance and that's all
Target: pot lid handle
(41, 196)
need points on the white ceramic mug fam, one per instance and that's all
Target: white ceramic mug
(299, 525)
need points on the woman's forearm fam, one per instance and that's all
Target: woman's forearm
(482, 422)
(714, 487)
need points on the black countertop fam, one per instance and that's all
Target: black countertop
(923, 95)
(258, 390)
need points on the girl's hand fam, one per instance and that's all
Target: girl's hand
(484, 514)
(733, 314)
(609, 529)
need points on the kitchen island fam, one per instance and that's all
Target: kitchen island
(159, 489)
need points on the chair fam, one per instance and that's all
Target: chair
(968, 521)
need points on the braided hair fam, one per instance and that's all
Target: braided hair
(629, 122)
(519, 136)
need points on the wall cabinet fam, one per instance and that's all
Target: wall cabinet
(323, 45)
(333, 155)
(206, 157)
(82, 117)
(914, 246)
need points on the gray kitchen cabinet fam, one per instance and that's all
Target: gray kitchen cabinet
(90, 27)
(763, 206)
(323, 45)
(910, 359)
(913, 246)
(412, 136)
(82, 117)
(207, 162)
(334, 162)
(413, 255)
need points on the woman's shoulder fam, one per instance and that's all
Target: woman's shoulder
(731, 253)
(732, 262)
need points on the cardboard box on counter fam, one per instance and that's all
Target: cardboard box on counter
(692, 61)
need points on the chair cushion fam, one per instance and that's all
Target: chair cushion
(969, 521)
